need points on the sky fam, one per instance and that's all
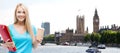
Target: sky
(62, 13)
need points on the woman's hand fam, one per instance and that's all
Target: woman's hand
(39, 36)
(8, 44)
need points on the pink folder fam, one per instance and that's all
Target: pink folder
(6, 35)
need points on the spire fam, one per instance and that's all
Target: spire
(96, 12)
(87, 30)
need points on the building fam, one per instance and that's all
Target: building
(113, 28)
(78, 36)
(96, 22)
(46, 26)
(57, 36)
(80, 24)
(80, 32)
(67, 36)
(70, 36)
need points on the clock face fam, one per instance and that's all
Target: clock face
(96, 20)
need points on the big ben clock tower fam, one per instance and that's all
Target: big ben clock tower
(96, 22)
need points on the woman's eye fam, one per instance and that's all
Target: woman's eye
(24, 12)
(19, 12)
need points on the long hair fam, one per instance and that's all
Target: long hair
(26, 22)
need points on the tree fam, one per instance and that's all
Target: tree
(95, 37)
(49, 38)
(87, 37)
(108, 36)
(118, 37)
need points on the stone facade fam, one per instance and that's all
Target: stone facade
(113, 28)
(69, 36)
(80, 22)
(96, 22)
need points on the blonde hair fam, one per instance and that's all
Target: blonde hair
(26, 22)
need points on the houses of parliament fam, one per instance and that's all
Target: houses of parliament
(78, 36)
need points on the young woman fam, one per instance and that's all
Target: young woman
(24, 36)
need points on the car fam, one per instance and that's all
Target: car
(93, 50)
(101, 46)
(65, 43)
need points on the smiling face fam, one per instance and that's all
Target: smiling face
(20, 14)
